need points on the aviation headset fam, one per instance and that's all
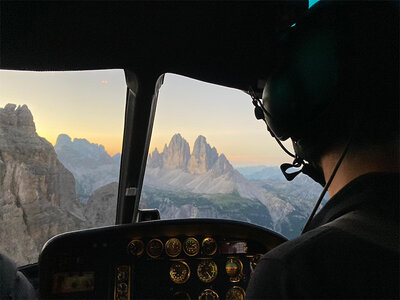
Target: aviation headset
(311, 92)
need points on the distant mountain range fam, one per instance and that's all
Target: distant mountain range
(187, 183)
(90, 164)
(207, 179)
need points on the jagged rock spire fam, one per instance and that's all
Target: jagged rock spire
(177, 154)
(18, 117)
(203, 156)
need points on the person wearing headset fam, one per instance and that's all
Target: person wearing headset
(335, 93)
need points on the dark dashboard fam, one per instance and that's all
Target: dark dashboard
(168, 259)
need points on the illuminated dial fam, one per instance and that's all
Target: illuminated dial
(173, 247)
(154, 248)
(208, 294)
(179, 272)
(136, 247)
(191, 246)
(235, 293)
(234, 269)
(209, 246)
(207, 271)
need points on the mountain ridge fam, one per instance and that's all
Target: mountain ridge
(90, 164)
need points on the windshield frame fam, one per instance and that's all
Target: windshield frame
(141, 102)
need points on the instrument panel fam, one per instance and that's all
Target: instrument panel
(174, 259)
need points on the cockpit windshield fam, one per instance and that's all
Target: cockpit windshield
(210, 158)
(60, 151)
(60, 145)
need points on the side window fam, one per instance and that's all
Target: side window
(210, 158)
(60, 144)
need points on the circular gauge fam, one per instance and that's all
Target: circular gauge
(136, 247)
(234, 269)
(209, 246)
(179, 272)
(207, 270)
(154, 248)
(173, 247)
(235, 293)
(191, 246)
(181, 295)
(208, 294)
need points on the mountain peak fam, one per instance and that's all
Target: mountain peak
(63, 139)
(203, 156)
(82, 148)
(221, 166)
(17, 116)
(155, 159)
(176, 155)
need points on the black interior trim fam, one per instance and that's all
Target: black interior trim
(138, 126)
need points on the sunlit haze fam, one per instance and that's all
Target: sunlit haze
(90, 105)
(86, 104)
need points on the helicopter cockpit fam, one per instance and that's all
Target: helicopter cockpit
(131, 165)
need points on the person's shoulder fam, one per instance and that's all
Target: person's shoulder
(297, 268)
(303, 244)
(284, 272)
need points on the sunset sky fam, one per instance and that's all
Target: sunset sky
(91, 105)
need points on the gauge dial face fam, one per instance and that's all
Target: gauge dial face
(154, 248)
(191, 246)
(173, 247)
(207, 270)
(208, 294)
(209, 246)
(179, 272)
(136, 247)
(235, 293)
(233, 267)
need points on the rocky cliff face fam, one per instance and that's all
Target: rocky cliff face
(101, 207)
(37, 193)
(177, 154)
(90, 164)
(203, 157)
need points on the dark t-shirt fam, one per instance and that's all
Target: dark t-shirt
(335, 261)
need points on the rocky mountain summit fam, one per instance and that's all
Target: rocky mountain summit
(206, 172)
(177, 155)
(37, 193)
(90, 164)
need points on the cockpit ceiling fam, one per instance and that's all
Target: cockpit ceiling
(228, 43)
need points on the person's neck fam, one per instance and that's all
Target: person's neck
(382, 159)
